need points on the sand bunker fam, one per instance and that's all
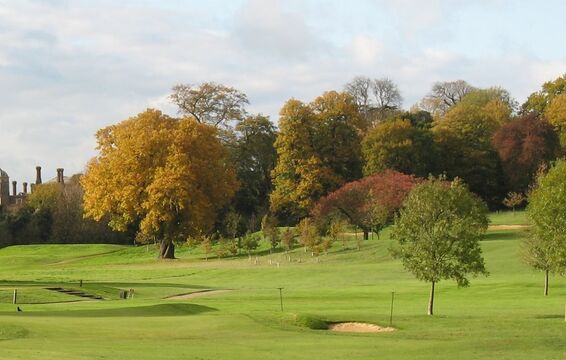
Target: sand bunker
(507, 227)
(358, 327)
(197, 294)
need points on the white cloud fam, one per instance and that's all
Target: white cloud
(68, 68)
(365, 49)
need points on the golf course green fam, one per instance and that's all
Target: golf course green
(501, 316)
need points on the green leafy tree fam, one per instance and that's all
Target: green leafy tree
(464, 139)
(513, 200)
(398, 145)
(546, 249)
(540, 100)
(253, 156)
(250, 242)
(438, 232)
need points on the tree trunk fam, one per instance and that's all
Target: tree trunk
(431, 300)
(167, 250)
(545, 282)
(366, 234)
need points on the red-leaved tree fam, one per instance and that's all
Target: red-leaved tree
(523, 146)
(368, 203)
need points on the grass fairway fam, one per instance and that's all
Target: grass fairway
(503, 316)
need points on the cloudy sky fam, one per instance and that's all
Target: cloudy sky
(68, 68)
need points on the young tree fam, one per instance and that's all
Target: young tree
(231, 223)
(546, 250)
(438, 231)
(288, 239)
(162, 176)
(308, 235)
(514, 199)
(250, 242)
(206, 245)
(270, 231)
(210, 103)
(337, 226)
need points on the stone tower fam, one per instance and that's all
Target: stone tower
(4, 188)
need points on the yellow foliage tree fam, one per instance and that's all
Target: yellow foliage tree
(556, 115)
(318, 149)
(165, 177)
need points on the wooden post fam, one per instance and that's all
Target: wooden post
(15, 297)
(391, 313)
(281, 298)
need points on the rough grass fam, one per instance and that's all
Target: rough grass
(503, 316)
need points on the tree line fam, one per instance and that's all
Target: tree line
(217, 170)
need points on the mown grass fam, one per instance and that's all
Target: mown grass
(502, 316)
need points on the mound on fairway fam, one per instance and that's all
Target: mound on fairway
(197, 294)
(358, 327)
(158, 310)
(9, 332)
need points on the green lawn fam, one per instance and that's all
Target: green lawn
(503, 316)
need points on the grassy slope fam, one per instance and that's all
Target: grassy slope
(502, 316)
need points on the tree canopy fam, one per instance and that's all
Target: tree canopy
(318, 148)
(399, 145)
(540, 100)
(524, 145)
(253, 155)
(210, 103)
(165, 177)
(444, 95)
(464, 138)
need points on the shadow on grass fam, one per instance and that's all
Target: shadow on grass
(543, 317)
(75, 284)
(504, 235)
(136, 311)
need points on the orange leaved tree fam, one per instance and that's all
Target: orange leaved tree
(162, 176)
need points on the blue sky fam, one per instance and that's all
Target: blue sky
(68, 68)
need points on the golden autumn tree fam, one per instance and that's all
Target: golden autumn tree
(165, 177)
(318, 148)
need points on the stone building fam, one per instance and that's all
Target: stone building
(12, 199)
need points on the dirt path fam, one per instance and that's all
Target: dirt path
(198, 294)
(507, 227)
(358, 327)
